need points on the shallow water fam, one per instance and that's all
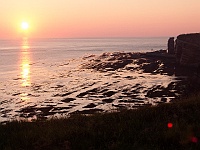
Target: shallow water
(40, 78)
(64, 88)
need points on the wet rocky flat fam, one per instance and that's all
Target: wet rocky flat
(93, 84)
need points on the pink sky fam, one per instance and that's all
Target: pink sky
(99, 18)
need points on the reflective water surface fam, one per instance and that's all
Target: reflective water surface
(38, 82)
(25, 67)
(25, 63)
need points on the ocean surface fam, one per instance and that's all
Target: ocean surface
(47, 51)
(27, 64)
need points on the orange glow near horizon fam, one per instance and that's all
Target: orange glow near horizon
(94, 18)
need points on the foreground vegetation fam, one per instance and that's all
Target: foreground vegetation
(167, 126)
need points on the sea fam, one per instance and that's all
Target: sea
(56, 50)
(26, 63)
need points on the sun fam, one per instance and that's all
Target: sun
(24, 25)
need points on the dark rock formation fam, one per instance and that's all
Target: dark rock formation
(157, 62)
(171, 45)
(188, 49)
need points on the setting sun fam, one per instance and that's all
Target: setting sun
(24, 25)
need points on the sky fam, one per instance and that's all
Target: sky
(98, 18)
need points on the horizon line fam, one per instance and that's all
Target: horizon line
(125, 37)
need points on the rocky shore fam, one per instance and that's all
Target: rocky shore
(152, 63)
(104, 83)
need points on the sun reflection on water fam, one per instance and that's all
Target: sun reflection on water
(24, 96)
(25, 63)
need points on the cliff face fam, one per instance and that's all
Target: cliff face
(187, 49)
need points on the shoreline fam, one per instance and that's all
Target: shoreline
(167, 126)
(106, 83)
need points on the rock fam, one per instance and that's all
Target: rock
(89, 111)
(109, 100)
(91, 105)
(150, 68)
(67, 100)
(109, 93)
(171, 45)
(45, 110)
(187, 49)
(163, 99)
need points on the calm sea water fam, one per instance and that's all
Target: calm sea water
(13, 53)
(55, 50)
(27, 64)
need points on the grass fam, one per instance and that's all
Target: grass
(142, 129)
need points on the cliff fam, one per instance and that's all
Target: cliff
(187, 49)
